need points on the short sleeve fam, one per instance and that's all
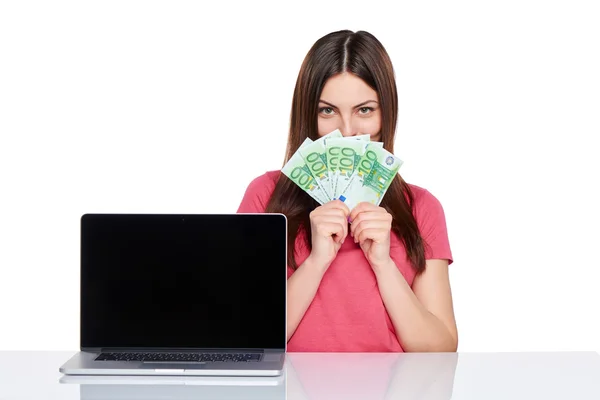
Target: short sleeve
(431, 220)
(257, 195)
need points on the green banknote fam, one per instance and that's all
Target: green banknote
(314, 155)
(343, 156)
(297, 170)
(372, 176)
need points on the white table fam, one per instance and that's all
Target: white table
(435, 376)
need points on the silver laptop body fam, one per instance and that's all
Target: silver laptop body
(165, 294)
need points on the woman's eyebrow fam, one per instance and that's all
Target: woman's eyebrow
(356, 106)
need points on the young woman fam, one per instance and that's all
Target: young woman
(374, 278)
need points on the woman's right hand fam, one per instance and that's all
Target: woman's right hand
(329, 228)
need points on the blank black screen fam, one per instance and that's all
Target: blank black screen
(183, 281)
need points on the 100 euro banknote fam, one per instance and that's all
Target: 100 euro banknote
(314, 155)
(297, 170)
(343, 156)
(373, 175)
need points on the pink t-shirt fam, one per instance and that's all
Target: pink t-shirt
(347, 313)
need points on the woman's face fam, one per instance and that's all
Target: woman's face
(347, 103)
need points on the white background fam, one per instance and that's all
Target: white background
(174, 107)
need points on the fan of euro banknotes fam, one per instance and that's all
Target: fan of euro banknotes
(352, 169)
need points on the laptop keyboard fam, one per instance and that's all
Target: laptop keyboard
(180, 357)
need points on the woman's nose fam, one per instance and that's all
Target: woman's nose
(347, 128)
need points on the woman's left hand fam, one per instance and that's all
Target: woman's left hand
(370, 225)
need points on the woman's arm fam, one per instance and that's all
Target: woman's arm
(423, 316)
(301, 289)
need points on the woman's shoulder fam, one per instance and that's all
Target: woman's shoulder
(427, 209)
(424, 199)
(265, 182)
(259, 191)
(419, 192)
(430, 217)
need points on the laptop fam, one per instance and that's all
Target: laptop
(166, 294)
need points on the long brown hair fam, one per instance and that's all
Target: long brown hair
(363, 55)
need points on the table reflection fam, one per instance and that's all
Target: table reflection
(307, 376)
(375, 376)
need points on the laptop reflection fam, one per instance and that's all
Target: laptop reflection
(177, 388)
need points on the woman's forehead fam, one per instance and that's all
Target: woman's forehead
(347, 89)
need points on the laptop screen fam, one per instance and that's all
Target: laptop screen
(183, 281)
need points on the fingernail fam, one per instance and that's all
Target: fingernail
(349, 220)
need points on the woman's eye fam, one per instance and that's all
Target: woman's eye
(365, 110)
(326, 110)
